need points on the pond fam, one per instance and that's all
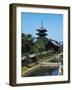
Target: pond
(43, 71)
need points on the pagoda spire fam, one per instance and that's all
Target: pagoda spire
(41, 24)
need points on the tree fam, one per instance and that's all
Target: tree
(44, 40)
(38, 48)
(27, 42)
(28, 60)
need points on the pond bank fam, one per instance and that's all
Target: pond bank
(40, 65)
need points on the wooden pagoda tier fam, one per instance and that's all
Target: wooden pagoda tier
(41, 32)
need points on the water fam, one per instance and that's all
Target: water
(43, 71)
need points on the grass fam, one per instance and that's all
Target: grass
(32, 65)
(25, 68)
(45, 57)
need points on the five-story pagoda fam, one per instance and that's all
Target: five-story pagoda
(41, 31)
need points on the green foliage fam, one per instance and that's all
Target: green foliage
(28, 60)
(27, 41)
(38, 46)
(61, 49)
(27, 37)
(29, 46)
(43, 39)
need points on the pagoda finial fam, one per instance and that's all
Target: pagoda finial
(41, 23)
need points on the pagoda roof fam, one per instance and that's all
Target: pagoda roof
(42, 30)
(41, 33)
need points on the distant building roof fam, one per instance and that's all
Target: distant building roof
(55, 43)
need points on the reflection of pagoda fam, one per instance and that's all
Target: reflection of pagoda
(41, 31)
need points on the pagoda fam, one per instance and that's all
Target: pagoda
(41, 31)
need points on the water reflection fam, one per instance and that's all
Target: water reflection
(44, 71)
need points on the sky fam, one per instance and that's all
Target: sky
(53, 23)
